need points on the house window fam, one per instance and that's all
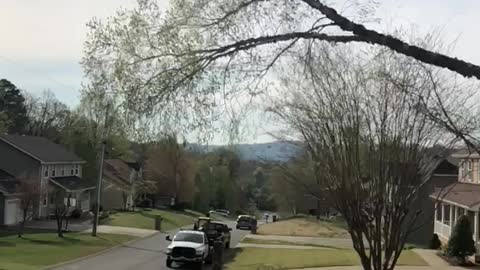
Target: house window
(46, 172)
(71, 171)
(439, 212)
(53, 172)
(446, 212)
(63, 172)
(461, 171)
(76, 169)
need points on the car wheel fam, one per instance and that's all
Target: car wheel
(209, 259)
(200, 265)
(169, 263)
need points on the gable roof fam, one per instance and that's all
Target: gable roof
(118, 171)
(8, 183)
(41, 149)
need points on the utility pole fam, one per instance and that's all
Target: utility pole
(100, 173)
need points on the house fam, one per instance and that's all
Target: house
(53, 166)
(445, 172)
(459, 198)
(119, 183)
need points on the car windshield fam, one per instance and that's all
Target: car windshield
(244, 219)
(189, 237)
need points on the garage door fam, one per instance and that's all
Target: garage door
(12, 211)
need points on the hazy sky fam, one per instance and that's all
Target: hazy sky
(42, 39)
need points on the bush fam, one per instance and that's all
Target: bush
(435, 242)
(461, 243)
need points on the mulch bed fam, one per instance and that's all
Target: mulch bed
(454, 261)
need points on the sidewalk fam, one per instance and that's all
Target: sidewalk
(123, 230)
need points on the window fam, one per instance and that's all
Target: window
(71, 171)
(46, 172)
(439, 212)
(63, 172)
(460, 171)
(469, 173)
(76, 169)
(52, 200)
(53, 172)
(446, 212)
(44, 201)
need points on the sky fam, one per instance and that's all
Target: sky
(42, 39)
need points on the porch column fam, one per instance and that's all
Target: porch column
(456, 214)
(451, 218)
(443, 213)
(475, 226)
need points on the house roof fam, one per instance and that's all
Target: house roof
(465, 153)
(41, 148)
(8, 183)
(464, 194)
(118, 171)
(72, 183)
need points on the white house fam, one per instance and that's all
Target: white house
(460, 198)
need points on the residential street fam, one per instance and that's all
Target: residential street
(145, 254)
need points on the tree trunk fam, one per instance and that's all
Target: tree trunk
(21, 225)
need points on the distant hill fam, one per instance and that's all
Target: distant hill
(280, 151)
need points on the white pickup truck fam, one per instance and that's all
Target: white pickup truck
(189, 246)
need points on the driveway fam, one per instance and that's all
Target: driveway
(145, 254)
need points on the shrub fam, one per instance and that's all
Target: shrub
(461, 243)
(435, 242)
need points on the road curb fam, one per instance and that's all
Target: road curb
(97, 253)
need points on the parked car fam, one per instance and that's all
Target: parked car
(246, 222)
(189, 246)
(221, 212)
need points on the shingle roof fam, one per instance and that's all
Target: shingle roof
(8, 183)
(41, 148)
(117, 170)
(465, 194)
(73, 182)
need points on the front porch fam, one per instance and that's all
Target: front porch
(446, 216)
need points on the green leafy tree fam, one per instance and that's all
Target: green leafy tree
(461, 243)
(12, 105)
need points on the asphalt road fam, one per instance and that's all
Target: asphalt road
(145, 254)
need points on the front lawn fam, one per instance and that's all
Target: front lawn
(146, 219)
(38, 250)
(278, 258)
(248, 240)
(305, 227)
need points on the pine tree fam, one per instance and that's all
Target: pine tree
(461, 243)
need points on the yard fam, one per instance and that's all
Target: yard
(38, 250)
(146, 219)
(278, 258)
(305, 227)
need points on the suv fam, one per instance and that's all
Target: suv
(189, 246)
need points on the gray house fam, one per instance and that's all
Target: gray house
(120, 179)
(54, 167)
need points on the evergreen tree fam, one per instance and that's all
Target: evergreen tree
(12, 107)
(461, 243)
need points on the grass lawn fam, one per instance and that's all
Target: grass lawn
(305, 227)
(146, 219)
(248, 240)
(37, 250)
(267, 258)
